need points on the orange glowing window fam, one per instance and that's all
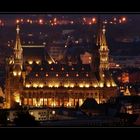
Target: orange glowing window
(36, 75)
(57, 75)
(47, 75)
(17, 21)
(94, 19)
(52, 69)
(87, 75)
(67, 75)
(62, 68)
(41, 69)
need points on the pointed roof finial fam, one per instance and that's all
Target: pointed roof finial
(17, 29)
(104, 29)
(18, 43)
(103, 37)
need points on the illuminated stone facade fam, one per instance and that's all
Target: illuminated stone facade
(40, 82)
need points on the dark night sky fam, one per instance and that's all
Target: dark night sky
(24, 15)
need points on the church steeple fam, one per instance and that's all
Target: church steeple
(18, 56)
(103, 50)
(18, 47)
(103, 37)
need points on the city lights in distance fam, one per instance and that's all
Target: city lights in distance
(123, 18)
(40, 21)
(65, 21)
(94, 19)
(17, 21)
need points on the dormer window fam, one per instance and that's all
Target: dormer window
(77, 75)
(67, 75)
(30, 62)
(14, 73)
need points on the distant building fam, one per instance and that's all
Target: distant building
(125, 77)
(86, 58)
(56, 50)
(127, 104)
(34, 79)
(132, 76)
(127, 61)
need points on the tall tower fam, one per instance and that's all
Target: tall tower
(13, 84)
(18, 57)
(105, 76)
(104, 51)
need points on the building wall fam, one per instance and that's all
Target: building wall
(57, 97)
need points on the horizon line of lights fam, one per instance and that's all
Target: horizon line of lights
(84, 20)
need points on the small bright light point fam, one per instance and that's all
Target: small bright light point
(115, 19)
(84, 19)
(124, 19)
(53, 112)
(94, 19)
(17, 21)
(120, 21)
(55, 19)
(71, 22)
(40, 21)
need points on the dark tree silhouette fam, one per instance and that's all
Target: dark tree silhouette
(17, 106)
(24, 119)
(3, 117)
(77, 106)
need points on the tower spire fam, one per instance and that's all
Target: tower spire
(17, 29)
(103, 47)
(103, 38)
(18, 56)
(18, 47)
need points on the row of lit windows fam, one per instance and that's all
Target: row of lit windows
(62, 80)
(15, 73)
(37, 62)
(52, 68)
(31, 62)
(57, 75)
(69, 85)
